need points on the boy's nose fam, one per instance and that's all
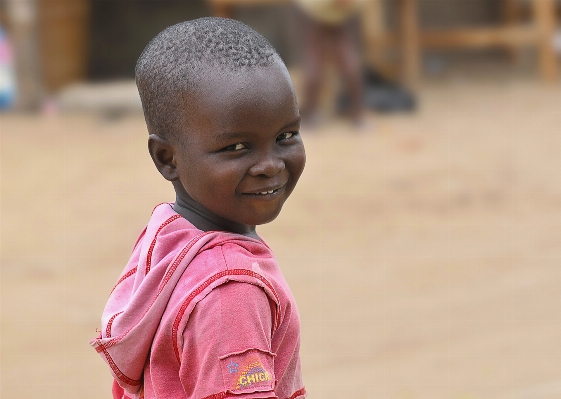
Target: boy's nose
(267, 166)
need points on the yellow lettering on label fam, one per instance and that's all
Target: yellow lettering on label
(245, 380)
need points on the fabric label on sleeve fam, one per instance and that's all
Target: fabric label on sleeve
(248, 371)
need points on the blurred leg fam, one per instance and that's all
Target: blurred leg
(314, 60)
(348, 59)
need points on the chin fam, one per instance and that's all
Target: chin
(264, 219)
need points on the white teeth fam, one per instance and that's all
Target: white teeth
(266, 192)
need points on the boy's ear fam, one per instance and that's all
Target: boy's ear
(162, 153)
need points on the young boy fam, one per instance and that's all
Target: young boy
(202, 310)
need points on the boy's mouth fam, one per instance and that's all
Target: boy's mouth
(264, 193)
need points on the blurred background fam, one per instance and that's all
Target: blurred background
(423, 243)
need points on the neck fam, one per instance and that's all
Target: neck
(201, 219)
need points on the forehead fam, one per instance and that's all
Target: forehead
(242, 100)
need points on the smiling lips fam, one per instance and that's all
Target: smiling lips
(268, 192)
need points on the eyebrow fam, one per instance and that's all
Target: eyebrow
(235, 135)
(294, 122)
(225, 136)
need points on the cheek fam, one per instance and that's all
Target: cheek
(211, 178)
(297, 161)
(197, 181)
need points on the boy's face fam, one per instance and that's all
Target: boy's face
(241, 154)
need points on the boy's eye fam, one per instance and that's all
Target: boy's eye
(235, 147)
(286, 136)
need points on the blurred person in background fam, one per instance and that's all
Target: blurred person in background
(329, 28)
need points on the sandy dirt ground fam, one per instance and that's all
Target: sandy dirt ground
(425, 254)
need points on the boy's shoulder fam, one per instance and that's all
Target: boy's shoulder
(167, 233)
(169, 240)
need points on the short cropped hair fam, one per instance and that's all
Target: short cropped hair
(173, 63)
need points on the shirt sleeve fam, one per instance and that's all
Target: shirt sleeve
(227, 345)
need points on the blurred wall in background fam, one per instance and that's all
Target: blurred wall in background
(59, 42)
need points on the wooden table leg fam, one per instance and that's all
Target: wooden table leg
(410, 43)
(544, 17)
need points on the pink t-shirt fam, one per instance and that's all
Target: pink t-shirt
(201, 316)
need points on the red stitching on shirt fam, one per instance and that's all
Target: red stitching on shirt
(150, 250)
(164, 281)
(153, 244)
(205, 284)
(179, 258)
(298, 393)
(223, 395)
(124, 277)
(220, 395)
(177, 261)
(109, 324)
(118, 373)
